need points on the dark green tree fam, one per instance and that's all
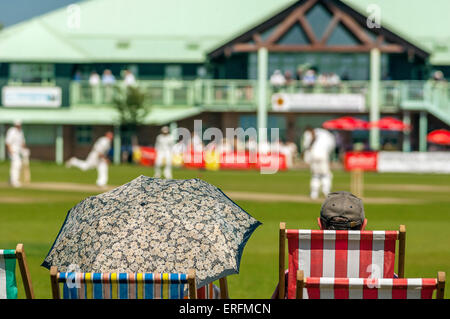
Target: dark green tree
(133, 105)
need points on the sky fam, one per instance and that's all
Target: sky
(15, 11)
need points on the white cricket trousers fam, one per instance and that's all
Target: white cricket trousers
(14, 170)
(166, 158)
(90, 163)
(321, 177)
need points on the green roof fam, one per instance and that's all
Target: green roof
(185, 31)
(423, 22)
(151, 31)
(88, 115)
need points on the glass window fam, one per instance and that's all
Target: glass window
(173, 71)
(31, 72)
(83, 134)
(39, 134)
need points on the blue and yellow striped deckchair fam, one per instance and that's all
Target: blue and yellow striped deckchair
(8, 284)
(76, 285)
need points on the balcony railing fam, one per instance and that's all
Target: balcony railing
(243, 94)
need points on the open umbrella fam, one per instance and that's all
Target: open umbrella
(441, 137)
(390, 124)
(154, 225)
(346, 123)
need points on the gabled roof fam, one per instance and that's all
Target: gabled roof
(425, 23)
(312, 26)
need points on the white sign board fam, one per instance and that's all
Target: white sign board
(29, 96)
(323, 102)
(414, 162)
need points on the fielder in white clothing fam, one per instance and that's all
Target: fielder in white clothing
(15, 144)
(97, 158)
(318, 144)
(164, 147)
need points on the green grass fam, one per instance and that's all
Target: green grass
(37, 220)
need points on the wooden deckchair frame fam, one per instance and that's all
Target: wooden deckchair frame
(223, 283)
(282, 256)
(440, 285)
(24, 272)
(56, 294)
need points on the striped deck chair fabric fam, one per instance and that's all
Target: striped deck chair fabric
(121, 285)
(208, 292)
(8, 285)
(340, 253)
(370, 288)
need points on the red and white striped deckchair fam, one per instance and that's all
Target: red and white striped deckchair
(8, 284)
(339, 253)
(369, 288)
(78, 285)
(209, 292)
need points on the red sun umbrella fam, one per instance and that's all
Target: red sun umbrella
(346, 123)
(390, 124)
(441, 137)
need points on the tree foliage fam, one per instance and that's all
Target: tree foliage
(132, 105)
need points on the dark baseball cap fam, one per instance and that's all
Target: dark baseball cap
(342, 211)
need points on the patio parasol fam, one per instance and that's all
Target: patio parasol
(390, 124)
(154, 225)
(346, 123)
(441, 137)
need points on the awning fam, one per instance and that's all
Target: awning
(92, 115)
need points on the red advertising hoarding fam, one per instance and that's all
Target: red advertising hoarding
(365, 161)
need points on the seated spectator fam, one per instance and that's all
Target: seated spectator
(94, 79)
(340, 211)
(77, 76)
(309, 79)
(288, 77)
(277, 80)
(129, 78)
(108, 78)
(334, 79)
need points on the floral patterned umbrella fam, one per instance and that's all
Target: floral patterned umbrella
(155, 225)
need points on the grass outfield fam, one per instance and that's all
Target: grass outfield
(34, 217)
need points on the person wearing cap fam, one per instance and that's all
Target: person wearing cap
(15, 144)
(164, 146)
(340, 211)
(97, 158)
(318, 144)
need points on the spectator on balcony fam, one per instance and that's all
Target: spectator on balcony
(108, 78)
(94, 79)
(309, 79)
(288, 77)
(334, 79)
(77, 76)
(322, 79)
(129, 78)
(277, 80)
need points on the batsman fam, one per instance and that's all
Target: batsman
(18, 153)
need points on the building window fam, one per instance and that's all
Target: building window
(83, 134)
(31, 72)
(173, 71)
(39, 134)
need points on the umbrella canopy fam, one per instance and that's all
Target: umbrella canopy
(154, 226)
(346, 123)
(441, 137)
(390, 124)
